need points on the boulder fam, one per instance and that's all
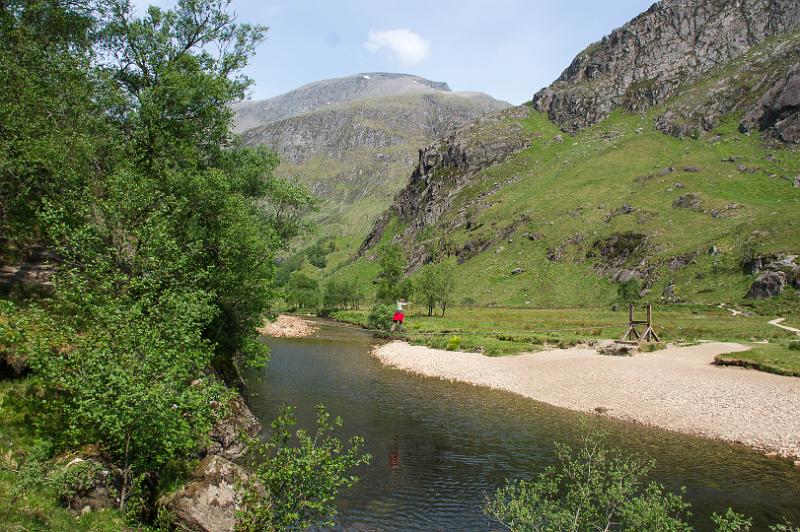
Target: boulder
(617, 350)
(517, 271)
(87, 483)
(687, 201)
(229, 434)
(768, 284)
(797, 182)
(209, 501)
(670, 293)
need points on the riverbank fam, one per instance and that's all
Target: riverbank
(288, 326)
(678, 388)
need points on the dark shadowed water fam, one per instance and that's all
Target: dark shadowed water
(439, 448)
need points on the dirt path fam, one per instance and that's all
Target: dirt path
(677, 389)
(287, 326)
(777, 323)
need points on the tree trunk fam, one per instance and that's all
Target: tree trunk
(125, 472)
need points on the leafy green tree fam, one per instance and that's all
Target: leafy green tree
(392, 267)
(303, 291)
(447, 283)
(298, 475)
(435, 285)
(132, 383)
(427, 287)
(117, 153)
(628, 292)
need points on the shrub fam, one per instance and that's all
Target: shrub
(380, 318)
(628, 292)
(454, 344)
(297, 475)
(794, 345)
(652, 347)
(590, 488)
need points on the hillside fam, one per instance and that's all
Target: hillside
(694, 194)
(353, 140)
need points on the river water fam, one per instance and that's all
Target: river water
(439, 448)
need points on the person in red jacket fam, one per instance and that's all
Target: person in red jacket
(399, 314)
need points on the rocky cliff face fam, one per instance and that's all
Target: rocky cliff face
(445, 167)
(646, 61)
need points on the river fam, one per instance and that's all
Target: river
(439, 448)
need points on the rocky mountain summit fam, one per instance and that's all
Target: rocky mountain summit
(353, 140)
(650, 58)
(326, 92)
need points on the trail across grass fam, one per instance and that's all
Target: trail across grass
(508, 331)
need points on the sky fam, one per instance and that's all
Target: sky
(508, 49)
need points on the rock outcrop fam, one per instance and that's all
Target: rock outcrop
(778, 110)
(446, 166)
(228, 436)
(645, 62)
(209, 501)
(774, 273)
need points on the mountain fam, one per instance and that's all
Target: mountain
(666, 154)
(645, 62)
(354, 139)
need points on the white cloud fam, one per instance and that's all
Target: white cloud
(403, 44)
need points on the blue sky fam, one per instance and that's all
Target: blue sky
(506, 48)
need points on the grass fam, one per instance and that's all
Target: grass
(26, 503)
(779, 358)
(507, 331)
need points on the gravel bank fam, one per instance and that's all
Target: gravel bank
(677, 388)
(287, 326)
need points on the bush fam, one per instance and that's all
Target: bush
(380, 318)
(297, 475)
(454, 344)
(794, 345)
(590, 488)
(628, 292)
(595, 487)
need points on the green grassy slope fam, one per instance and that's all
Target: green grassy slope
(572, 188)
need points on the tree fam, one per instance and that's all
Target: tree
(435, 284)
(447, 284)
(427, 286)
(303, 291)
(117, 154)
(392, 266)
(297, 476)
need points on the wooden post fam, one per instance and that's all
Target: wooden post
(632, 335)
(650, 333)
